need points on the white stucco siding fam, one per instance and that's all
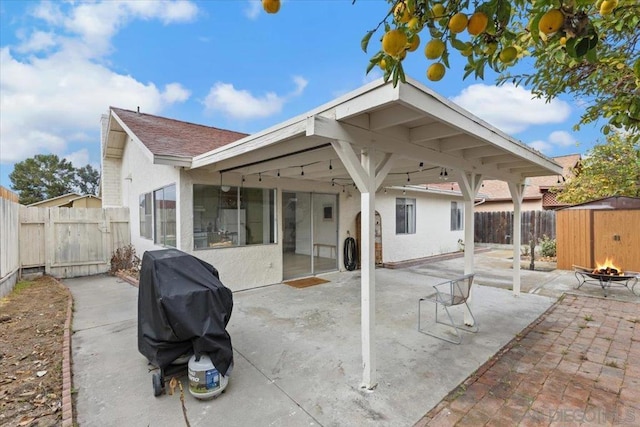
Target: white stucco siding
(433, 234)
(139, 176)
(111, 182)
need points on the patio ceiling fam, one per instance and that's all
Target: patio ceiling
(422, 131)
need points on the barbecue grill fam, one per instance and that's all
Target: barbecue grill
(628, 279)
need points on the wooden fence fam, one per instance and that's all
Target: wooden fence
(9, 242)
(497, 227)
(5, 193)
(587, 237)
(70, 242)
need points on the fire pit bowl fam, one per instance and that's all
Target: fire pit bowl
(629, 279)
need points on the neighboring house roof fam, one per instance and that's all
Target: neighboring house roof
(168, 137)
(56, 201)
(494, 190)
(612, 202)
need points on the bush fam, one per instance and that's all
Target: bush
(547, 246)
(124, 258)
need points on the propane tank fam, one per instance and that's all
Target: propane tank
(205, 382)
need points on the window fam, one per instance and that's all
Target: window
(164, 209)
(405, 216)
(232, 216)
(457, 216)
(146, 217)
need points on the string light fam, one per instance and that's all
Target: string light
(330, 165)
(278, 173)
(333, 184)
(301, 170)
(421, 166)
(408, 178)
(259, 176)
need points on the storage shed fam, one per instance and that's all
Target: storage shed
(592, 232)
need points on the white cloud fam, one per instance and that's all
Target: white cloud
(241, 104)
(78, 158)
(558, 138)
(49, 100)
(542, 146)
(37, 41)
(253, 9)
(174, 92)
(511, 108)
(561, 138)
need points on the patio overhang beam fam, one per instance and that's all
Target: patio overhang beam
(334, 130)
(259, 165)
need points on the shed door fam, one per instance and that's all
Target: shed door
(617, 236)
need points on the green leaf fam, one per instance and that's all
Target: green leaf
(457, 44)
(364, 43)
(370, 67)
(403, 78)
(504, 12)
(395, 76)
(533, 27)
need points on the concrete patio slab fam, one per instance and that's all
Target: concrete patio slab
(297, 354)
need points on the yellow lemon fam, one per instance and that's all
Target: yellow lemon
(271, 6)
(551, 21)
(383, 64)
(401, 13)
(435, 72)
(458, 23)
(437, 11)
(434, 49)
(468, 50)
(414, 23)
(394, 42)
(413, 43)
(508, 54)
(491, 48)
(563, 41)
(477, 23)
(607, 6)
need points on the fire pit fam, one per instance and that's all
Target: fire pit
(605, 275)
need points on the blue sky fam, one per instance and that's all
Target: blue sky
(219, 63)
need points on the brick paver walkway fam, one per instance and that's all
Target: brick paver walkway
(578, 364)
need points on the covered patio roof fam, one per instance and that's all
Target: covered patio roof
(379, 136)
(421, 129)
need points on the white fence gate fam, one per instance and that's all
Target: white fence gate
(71, 242)
(9, 238)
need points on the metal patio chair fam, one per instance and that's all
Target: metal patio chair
(448, 294)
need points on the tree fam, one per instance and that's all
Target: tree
(45, 176)
(586, 48)
(42, 177)
(87, 180)
(609, 169)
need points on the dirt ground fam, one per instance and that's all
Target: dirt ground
(31, 333)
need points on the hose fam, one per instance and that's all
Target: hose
(350, 254)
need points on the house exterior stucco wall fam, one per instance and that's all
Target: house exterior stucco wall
(110, 182)
(138, 176)
(433, 234)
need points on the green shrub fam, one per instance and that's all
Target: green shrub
(547, 246)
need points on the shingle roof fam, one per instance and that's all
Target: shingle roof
(163, 136)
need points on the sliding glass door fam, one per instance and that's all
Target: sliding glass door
(310, 239)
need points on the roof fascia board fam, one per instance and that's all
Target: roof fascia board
(333, 130)
(133, 137)
(251, 143)
(212, 156)
(169, 160)
(420, 97)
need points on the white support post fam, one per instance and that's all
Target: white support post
(469, 185)
(368, 272)
(517, 194)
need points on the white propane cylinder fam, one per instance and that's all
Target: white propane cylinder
(205, 382)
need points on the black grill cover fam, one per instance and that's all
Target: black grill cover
(183, 308)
